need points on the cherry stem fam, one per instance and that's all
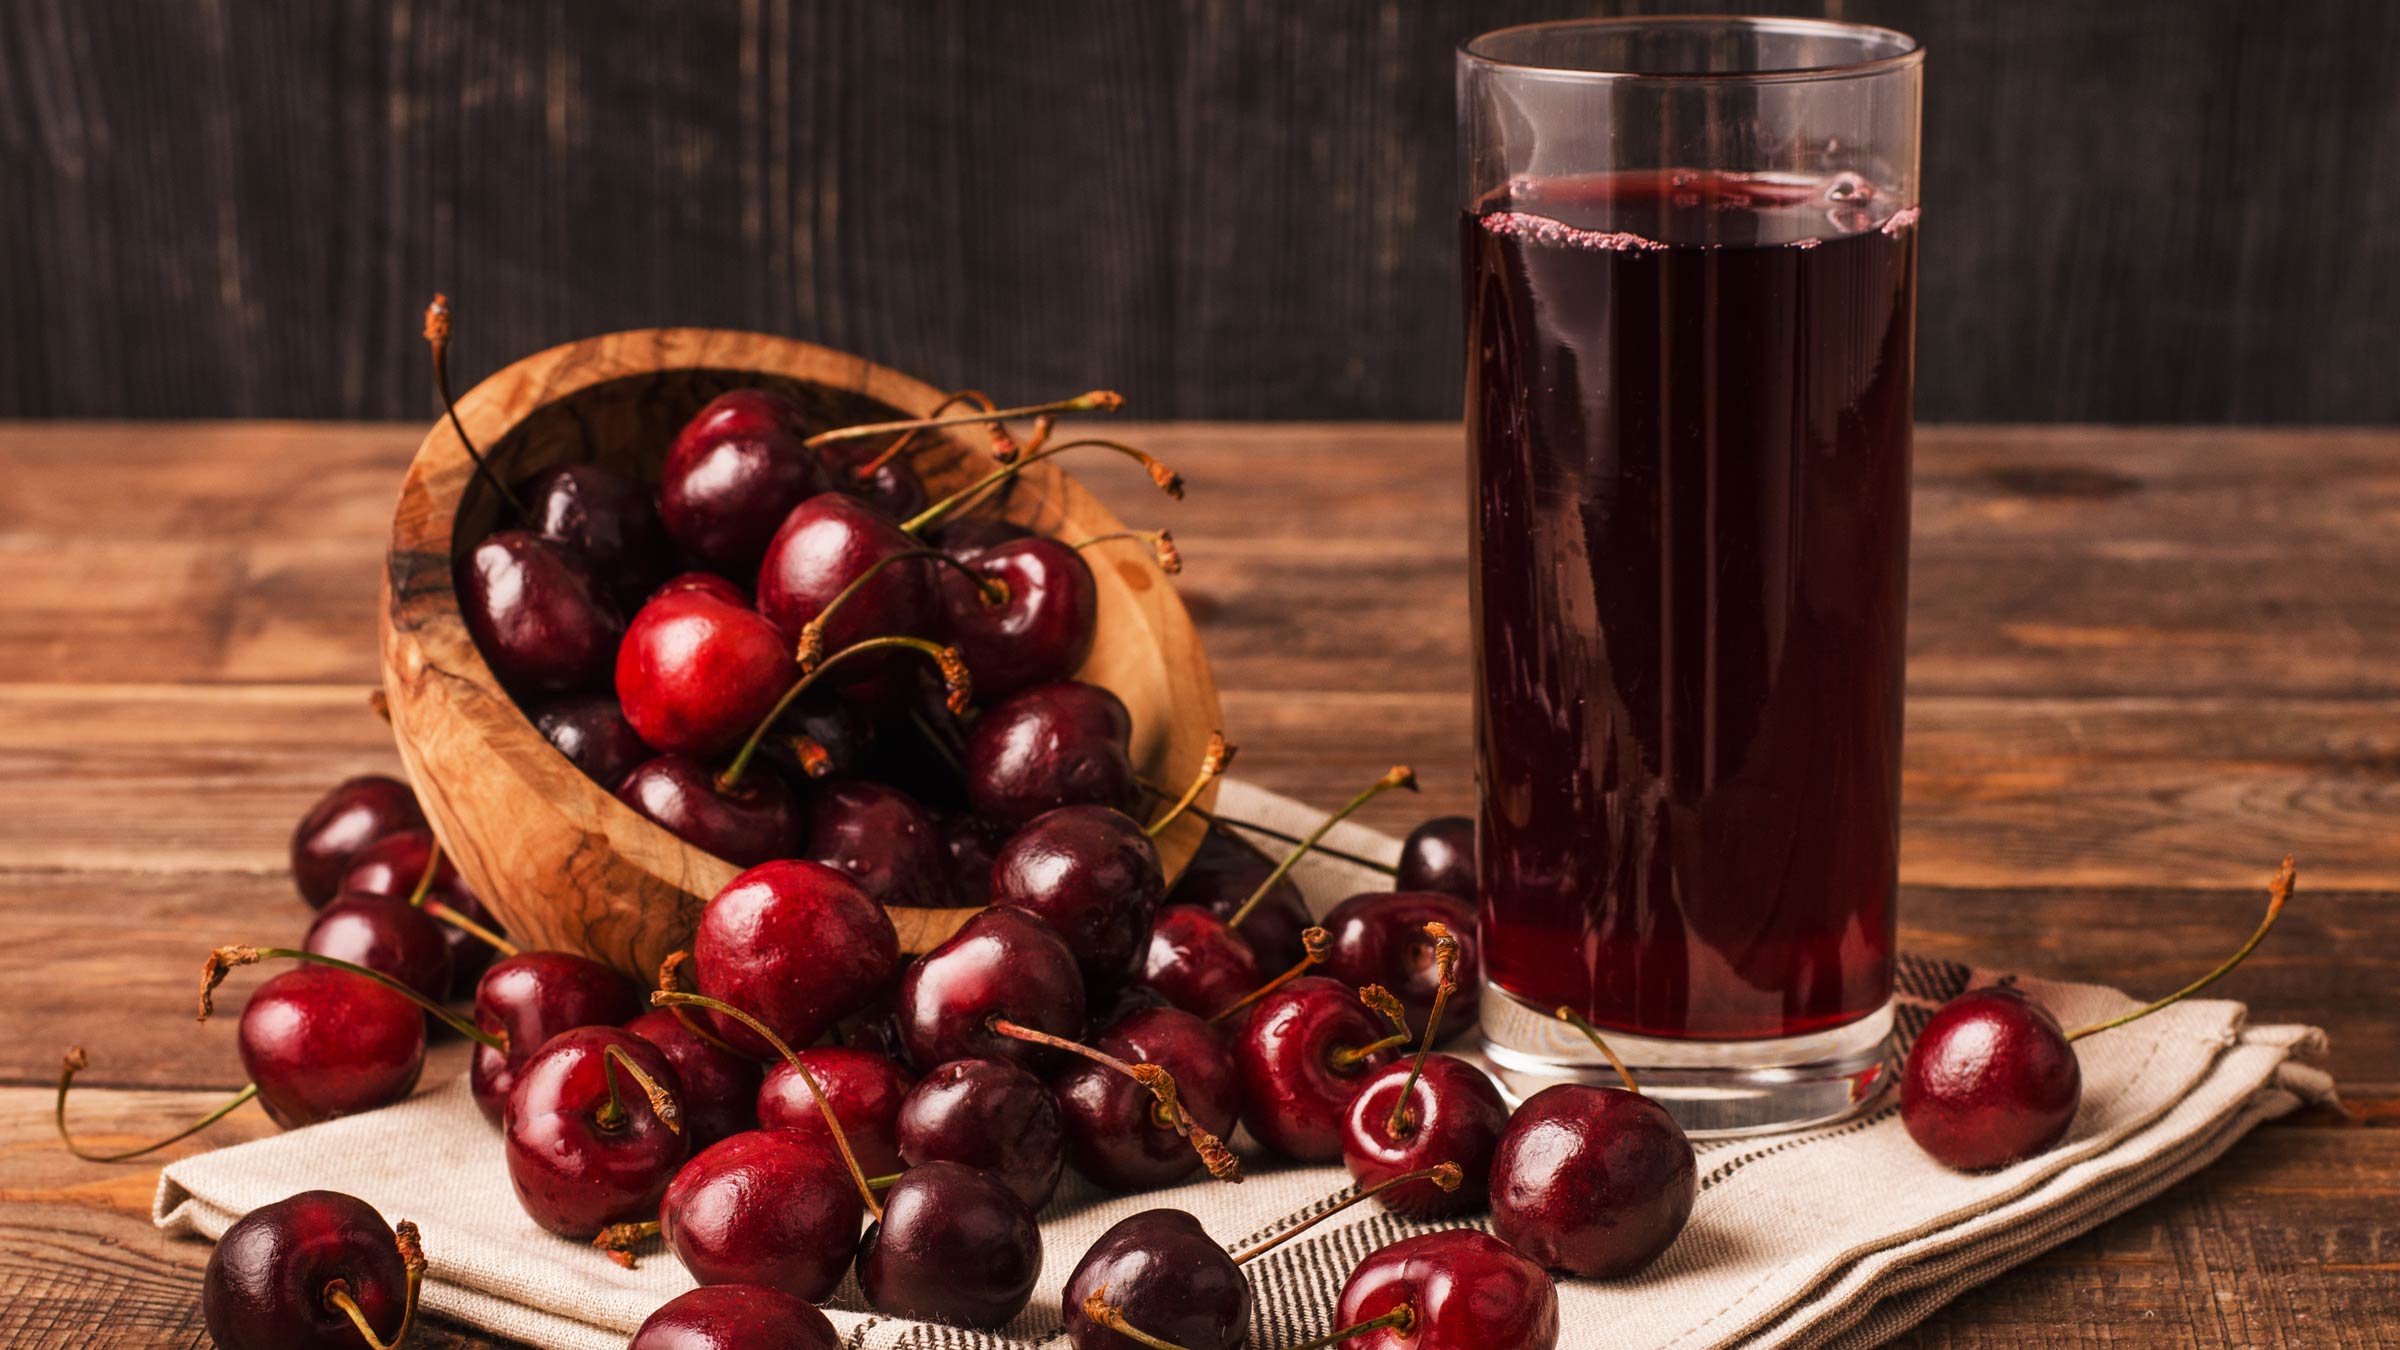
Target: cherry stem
(993, 591)
(1106, 1314)
(471, 928)
(619, 1239)
(75, 1063)
(885, 1181)
(1003, 445)
(1398, 776)
(611, 1115)
(1168, 1113)
(1253, 827)
(437, 337)
(665, 998)
(433, 864)
(412, 1260)
(815, 760)
(1169, 481)
(1581, 1023)
(1345, 1058)
(2279, 892)
(1213, 762)
(1315, 945)
(1445, 1175)
(1098, 400)
(222, 961)
(1445, 960)
(946, 659)
(1399, 1319)
(670, 978)
(1160, 542)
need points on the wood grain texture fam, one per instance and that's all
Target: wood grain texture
(2150, 210)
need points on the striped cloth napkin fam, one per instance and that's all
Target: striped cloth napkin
(1839, 1236)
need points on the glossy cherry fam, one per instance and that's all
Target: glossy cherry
(1093, 875)
(796, 945)
(1002, 964)
(322, 1043)
(1118, 1133)
(773, 1208)
(953, 1245)
(537, 615)
(319, 1270)
(754, 821)
(1303, 1052)
(1050, 746)
(736, 1317)
(880, 838)
(1035, 627)
(387, 935)
(592, 1131)
(695, 674)
(891, 486)
(1379, 938)
(720, 1088)
(1454, 1290)
(394, 867)
(1439, 855)
(1199, 963)
(1223, 874)
(531, 997)
(990, 1115)
(826, 544)
(355, 813)
(606, 519)
(865, 1091)
(1435, 1108)
(732, 475)
(591, 731)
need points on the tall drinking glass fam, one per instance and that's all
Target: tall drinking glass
(1690, 250)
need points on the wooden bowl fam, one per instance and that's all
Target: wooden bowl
(560, 860)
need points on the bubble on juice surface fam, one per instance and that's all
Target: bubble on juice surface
(1535, 229)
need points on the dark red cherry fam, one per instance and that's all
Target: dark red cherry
(880, 838)
(1165, 1275)
(1053, 745)
(703, 583)
(388, 936)
(736, 1317)
(1460, 1290)
(1091, 874)
(1439, 855)
(1223, 874)
(992, 1116)
(1039, 627)
(1593, 1181)
(732, 475)
(278, 1278)
(605, 518)
(587, 1146)
(696, 675)
(392, 866)
(530, 998)
(591, 731)
(754, 821)
(865, 1089)
(1001, 964)
(1303, 1052)
(720, 1088)
(1453, 1114)
(970, 846)
(1379, 938)
(321, 1043)
(796, 945)
(537, 616)
(1116, 1132)
(1199, 963)
(773, 1208)
(1990, 1081)
(356, 813)
(968, 536)
(892, 487)
(954, 1245)
(821, 735)
(829, 542)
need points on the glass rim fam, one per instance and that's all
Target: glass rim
(1910, 51)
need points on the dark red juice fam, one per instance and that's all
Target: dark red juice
(1688, 404)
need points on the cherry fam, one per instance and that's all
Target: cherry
(864, 1089)
(592, 1132)
(1091, 873)
(537, 615)
(1590, 1180)
(356, 813)
(1439, 855)
(1198, 962)
(736, 1317)
(1454, 1290)
(827, 544)
(695, 674)
(990, 1115)
(1224, 873)
(889, 485)
(1380, 938)
(1993, 1078)
(704, 583)
(821, 736)
(387, 935)
(797, 945)
(1001, 965)
(970, 845)
(773, 1208)
(591, 731)
(409, 866)
(952, 1244)
(967, 536)
(315, 1270)
(526, 999)
(720, 1088)
(1121, 1132)
(606, 519)
(1039, 626)
(1438, 1107)
(881, 839)
(733, 473)
(1303, 1053)
(1049, 746)
(754, 821)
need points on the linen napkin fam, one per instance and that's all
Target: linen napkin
(1839, 1236)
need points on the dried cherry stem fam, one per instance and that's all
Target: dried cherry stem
(1098, 400)
(1445, 961)
(437, 337)
(619, 1239)
(815, 760)
(1400, 1319)
(1253, 827)
(1398, 776)
(1315, 945)
(667, 998)
(1346, 1057)
(2279, 893)
(993, 591)
(1213, 762)
(76, 1062)
(1004, 445)
(1106, 1314)
(1167, 1112)
(433, 864)
(1445, 1175)
(1580, 1023)
(1161, 544)
(670, 978)
(412, 1260)
(222, 961)
(946, 659)
(612, 1115)
(471, 928)
(1169, 481)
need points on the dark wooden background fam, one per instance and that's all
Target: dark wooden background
(2143, 210)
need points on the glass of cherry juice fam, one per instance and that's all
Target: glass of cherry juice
(1690, 250)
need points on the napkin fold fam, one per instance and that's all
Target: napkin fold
(1839, 1236)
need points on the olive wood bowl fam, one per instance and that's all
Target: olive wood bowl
(559, 859)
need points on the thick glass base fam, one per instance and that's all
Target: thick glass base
(1712, 1088)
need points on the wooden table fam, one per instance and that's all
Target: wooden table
(2143, 664)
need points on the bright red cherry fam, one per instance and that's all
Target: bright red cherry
(736, 1317)
(1303, 1052)
(696, 674)
(305, 1272)
(754, 821)
(530, 998)
(537, 615)
(1453, 1290)
(992, 1116)
(771, 1208)
(1003, 965)
(704, 583)
(355, 813)
(1049, 746)
(865, 1090)
(1037, 628)
(322, 1043)
(592, 1131)
(795, 944)
(732, 475)
(1435, 1109)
